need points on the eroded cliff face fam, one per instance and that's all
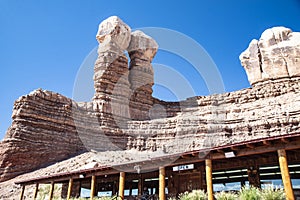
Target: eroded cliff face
(48, 127)
(266, 110)
(42, 132)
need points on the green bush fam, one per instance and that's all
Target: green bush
(272, 194)
(198, 195)
(184, 196)
(251, 193)
(226, 196)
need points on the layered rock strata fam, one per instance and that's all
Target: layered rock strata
(142, 50)
(266, 110)
(112, 88)
(42, 132)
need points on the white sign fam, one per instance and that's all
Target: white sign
(229, 154)
(183, 167)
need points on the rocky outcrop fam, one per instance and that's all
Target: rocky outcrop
(48, 127)
(275, 55)
(42, 132)
(266, 110)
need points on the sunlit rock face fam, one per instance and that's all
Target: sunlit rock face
(48, 127)
(274, 56)
(113, 32)
(112, 88)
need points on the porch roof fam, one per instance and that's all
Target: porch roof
(246, 148)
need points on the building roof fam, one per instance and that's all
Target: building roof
(257, 146)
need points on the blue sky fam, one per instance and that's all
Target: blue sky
(43, 43)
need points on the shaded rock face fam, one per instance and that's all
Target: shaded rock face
(142, 50)
(275, 55)
(48, 127)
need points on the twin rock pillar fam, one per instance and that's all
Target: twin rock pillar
(142, 49)
(111, 72)
(122, 92)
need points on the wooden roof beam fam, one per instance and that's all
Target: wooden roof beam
(185, 156)
(220, 150)
(285, 140)
(251, 146)
(234, 148)
(195, 154)
(266, 142)
(294, 144)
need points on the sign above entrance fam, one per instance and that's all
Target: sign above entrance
(183, 167)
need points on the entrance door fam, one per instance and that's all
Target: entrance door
(188, 182)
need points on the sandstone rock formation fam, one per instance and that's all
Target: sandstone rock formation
(48, 127)
(42, 132)
(111, 70)
(260, 112)
(275, 55)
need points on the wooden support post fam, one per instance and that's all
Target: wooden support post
(51, 191)
(162, 183)
(36, 190)
(253, 174)
(285, 174)
(140, 185)
(121, 185)
(70, 188)
(266, 142)
(114, 189)
(208, 170)
(93, 185)
(22, 192)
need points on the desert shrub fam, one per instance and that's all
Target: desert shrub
(184, 196)
(251, 193)
(194, 195)
(198, 195)
(226, 196)
(272, 194)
